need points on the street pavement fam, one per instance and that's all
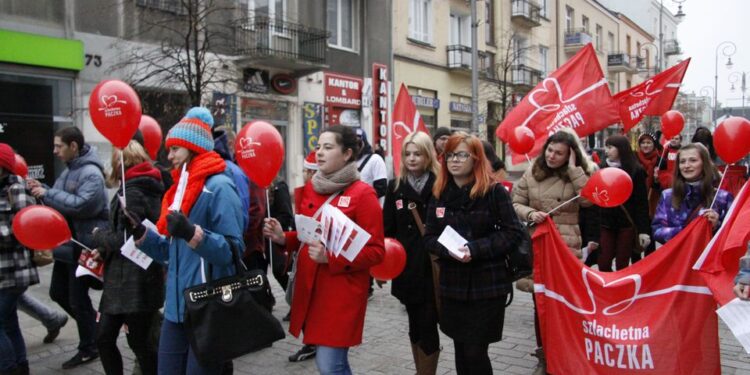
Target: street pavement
(385, 349)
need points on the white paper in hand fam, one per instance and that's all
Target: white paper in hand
(452, 241)
(308, 229)
(181, 186)
(341, 235)
(736, 315)
(138, 257)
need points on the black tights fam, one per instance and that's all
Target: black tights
(139, 340)
(423, 326)
(472, 358)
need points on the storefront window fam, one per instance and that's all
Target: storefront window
(274, 112)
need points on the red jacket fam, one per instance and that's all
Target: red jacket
(330, 299)
(667, 173)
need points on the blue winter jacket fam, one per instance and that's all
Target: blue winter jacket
(79, 194)
(669, 221)
(218, 212)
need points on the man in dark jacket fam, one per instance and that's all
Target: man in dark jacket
(80, 196)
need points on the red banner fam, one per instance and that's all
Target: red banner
(642, 319)
(719, 262)
(576, 96)
(406, 120)
(652, 97)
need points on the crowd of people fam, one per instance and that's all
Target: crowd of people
(451, 179)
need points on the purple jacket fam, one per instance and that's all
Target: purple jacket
(669, 221)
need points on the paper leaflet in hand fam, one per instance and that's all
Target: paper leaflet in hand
(309, 230)
(87, 265)
(341, 235)
(452, 241)
(138, 257)
(736, 315)
(181, 186)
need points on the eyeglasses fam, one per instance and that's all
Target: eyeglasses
(459, 156)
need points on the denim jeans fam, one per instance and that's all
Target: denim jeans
(72, 294)
(333, 361)
(36, 309)
(177, 357)
(12, 345)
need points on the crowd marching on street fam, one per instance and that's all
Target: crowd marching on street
(206, 216)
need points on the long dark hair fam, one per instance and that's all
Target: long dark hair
(346, 138)
(709, 173)
(541, 170)
(703, 136)
(624, 151)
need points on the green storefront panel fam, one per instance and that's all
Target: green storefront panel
(39, 50)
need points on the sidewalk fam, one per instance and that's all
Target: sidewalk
(385, 349)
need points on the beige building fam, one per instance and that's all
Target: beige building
(519, 42)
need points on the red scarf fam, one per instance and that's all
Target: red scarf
(200, 168)
(649, 161)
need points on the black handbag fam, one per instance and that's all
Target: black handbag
(519, 262)
(230, 317)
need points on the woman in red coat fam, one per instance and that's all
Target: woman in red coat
(330, 293)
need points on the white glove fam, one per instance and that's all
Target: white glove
(644, 240)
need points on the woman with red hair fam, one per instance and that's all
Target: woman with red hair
(474, 281)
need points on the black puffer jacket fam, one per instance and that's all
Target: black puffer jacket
(414, 285)
(128, 288)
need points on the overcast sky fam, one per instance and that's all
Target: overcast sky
(706, 25)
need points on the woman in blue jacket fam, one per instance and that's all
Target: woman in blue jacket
(196, 236)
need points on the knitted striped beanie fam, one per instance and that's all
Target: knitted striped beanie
(193, 132)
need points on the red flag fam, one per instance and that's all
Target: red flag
(652, 97)
(576, 96)
(406, 120)
(719, 262)
(637, 320)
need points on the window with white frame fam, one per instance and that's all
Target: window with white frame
(275, 9)
(489, 24)
(543, 60)
(420, 20)
(611, 42)
(342, 23)
(543, 8)
(585, 24)
(460, 30)
(519, 50)
(599, 37)
(569, 14)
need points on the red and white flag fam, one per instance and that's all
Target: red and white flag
(576, 96)
(654, 317)
(720, 260)
(405, 120)
(652, 97)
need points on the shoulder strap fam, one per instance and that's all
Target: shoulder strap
(364, 162)
(630, 218)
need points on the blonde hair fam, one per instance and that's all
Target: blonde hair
(133, 154)
(426, 148)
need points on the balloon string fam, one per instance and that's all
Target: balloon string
(661, 158)
(270, 245)
(122, 169)
(563, 203)
(80, 244)
(527, 158)
(721, 181)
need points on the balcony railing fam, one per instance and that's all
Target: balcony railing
(526, 12)
(672, 47)
(523, 75)
(620, 62)
(274, 40)
(459, 57)
(577, 37)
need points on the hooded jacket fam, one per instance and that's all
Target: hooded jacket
(669, 221)
(79, 195)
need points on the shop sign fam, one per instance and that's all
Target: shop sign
(312, 120)
(423, 101)
(343, 99)
(460, 107)
(284, 84)
(381, 105)
(255, 80)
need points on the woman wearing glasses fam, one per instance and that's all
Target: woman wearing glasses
(473, 280)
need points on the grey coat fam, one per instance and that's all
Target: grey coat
(79, 195)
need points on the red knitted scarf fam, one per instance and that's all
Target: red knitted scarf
(200, 168)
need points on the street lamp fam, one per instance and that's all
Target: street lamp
(733, 78)
(728, 49)
(680, 15)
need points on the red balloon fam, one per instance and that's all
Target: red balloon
(259, 151)
(732, 139)
(608, 187)
(393, 262)
(672, 123)
(21, 168)
(521, 140)
(152, 135)
(115, 110)
(40, 228)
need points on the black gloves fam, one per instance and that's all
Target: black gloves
(178, 225)
(133, 224)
